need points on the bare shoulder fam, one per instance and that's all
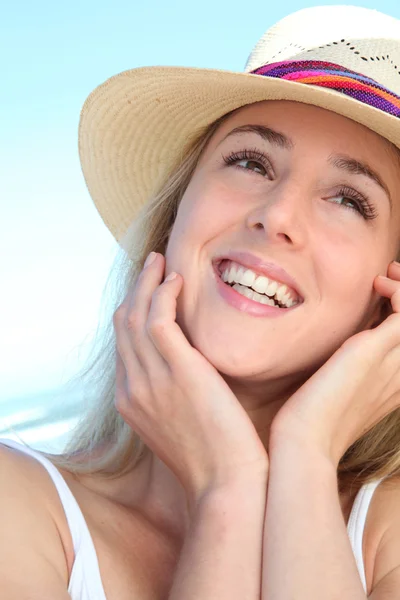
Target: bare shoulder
(382, 540)
(32, 543)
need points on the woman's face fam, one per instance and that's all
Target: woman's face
(289, 190)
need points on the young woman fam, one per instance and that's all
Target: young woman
(245, 439)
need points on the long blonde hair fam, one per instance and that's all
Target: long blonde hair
(376, 454)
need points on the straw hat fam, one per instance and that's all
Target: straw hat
(134, 126)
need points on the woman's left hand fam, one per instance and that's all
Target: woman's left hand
(355, 389)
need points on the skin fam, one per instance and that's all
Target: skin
(296, 220)
(239, 407)
(210, 435)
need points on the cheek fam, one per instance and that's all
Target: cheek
(205, 212)
(346, 276)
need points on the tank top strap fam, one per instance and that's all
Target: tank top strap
(356, 524)
(85, 581)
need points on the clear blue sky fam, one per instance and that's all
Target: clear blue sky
(55, 251)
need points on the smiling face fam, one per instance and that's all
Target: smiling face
(303, 189)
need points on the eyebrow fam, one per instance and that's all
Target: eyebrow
(267, 134)
(340, 161)
(356, 167)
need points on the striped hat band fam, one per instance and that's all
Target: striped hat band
(335, 77)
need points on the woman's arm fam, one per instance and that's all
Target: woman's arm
(307, 553)
(185, 412)
(221, 557)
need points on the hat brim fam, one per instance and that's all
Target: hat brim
(134, 126)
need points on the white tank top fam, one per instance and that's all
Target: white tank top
(85, 581)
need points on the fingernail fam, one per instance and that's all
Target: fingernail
(150, 259)
(396, 263)
(171, 276)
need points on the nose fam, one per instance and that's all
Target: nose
(283, 215)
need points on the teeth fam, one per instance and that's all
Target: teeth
(248, 278)
(232, 274)
(257, 287)
(271, 289)
(245, 291)
(260, 284)
(281, 292)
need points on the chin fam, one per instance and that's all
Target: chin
(235, 359)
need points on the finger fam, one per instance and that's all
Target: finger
(395, 301)
(393, 271)
(132, 400)
(127, 363)
(389, 288)
(163, 329)
(130, 380)
(139, 296)
(393, 274)
(121, 392)
(386, 286)
(129, 322)
(138, 307)
(386, 336)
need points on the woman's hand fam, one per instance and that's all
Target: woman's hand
(354, 390)
(174, 398)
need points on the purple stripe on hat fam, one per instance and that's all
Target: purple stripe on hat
(313, 65)
(335, 77)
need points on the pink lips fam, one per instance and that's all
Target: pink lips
(261, 267)
(245, 305)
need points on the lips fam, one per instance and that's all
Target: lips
(260, 267)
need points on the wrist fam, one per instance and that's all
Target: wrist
(234, 493)
(297, 451)
(301, 443)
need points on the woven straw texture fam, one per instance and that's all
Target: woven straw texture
(135, 126)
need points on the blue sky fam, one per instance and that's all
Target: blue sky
(55, 250)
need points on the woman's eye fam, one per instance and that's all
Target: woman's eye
(341, 199)
(250, 160)
(252, 165)
(352, 200)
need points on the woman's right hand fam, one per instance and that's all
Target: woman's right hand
(176, 401)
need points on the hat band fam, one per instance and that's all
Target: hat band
(329, 75)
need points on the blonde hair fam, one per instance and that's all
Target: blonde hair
(109, 446)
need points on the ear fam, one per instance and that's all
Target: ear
(385, 309)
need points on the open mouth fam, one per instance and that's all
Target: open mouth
(256, 287)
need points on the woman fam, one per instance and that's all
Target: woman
(246, 422)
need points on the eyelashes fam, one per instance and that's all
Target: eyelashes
(367, 210)
(251, 154)
(261, 162)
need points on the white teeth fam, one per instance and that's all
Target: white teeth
(248, 278)
(271, 289)
(232, 274)
(244, 291)
(237, 274)
(281, 292)
(251, 295)
(265, 300)
(263, 288)
(261, 284)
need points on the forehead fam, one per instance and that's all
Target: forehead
(303, 123)
(308, 126)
